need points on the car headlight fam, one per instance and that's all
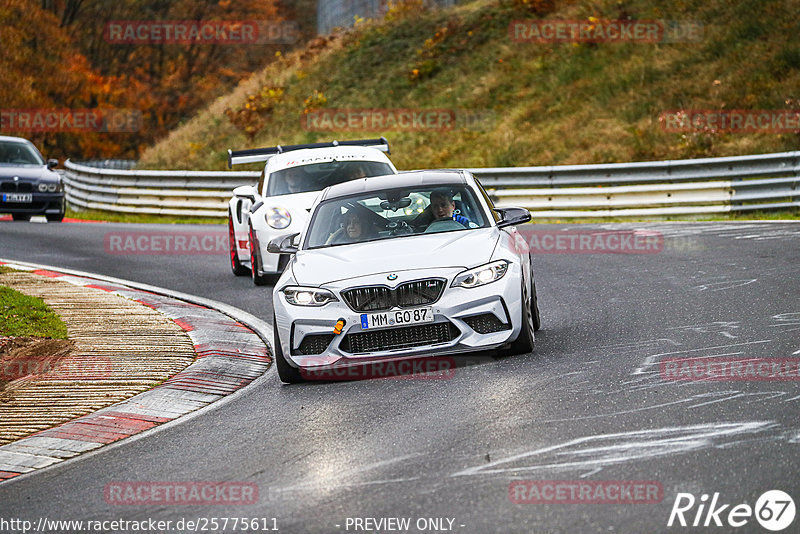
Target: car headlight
(479, 276)
(308, 296)
(42, 187)
(52, 188)
(278, 218)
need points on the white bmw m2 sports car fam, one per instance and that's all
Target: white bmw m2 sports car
(401, 267)
(279, 204)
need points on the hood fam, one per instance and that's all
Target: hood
(27, 172)
(463, 249)
(293, 202)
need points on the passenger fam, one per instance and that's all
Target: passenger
(355, 228)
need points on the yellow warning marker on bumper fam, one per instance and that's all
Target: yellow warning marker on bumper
(339, 325)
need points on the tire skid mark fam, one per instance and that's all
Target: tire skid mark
(602, 450)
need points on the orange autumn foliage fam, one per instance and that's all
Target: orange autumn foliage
(56, 57)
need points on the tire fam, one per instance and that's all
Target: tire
(21, 216)
(258, 279)
(524, 342)
(287, 373)
(236, 265)
(537, 321)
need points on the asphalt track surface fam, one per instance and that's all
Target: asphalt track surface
(588, 404)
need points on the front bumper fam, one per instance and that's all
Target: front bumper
(42, 204)
(460, 315)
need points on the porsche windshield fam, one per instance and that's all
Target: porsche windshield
(14, 153)
(394, 213)
(318, 176)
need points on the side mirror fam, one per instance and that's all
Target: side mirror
(512, 216)
(52, 164)
(283, 244)
(246, 191)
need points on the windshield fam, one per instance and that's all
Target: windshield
(394, 213)
(16, 153)
(318, 176)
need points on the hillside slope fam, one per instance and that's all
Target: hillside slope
(538, 103)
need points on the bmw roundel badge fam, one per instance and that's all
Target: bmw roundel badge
(392, 277)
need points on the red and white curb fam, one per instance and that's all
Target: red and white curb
(230, 355)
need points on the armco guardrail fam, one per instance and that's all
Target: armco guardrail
(659, 188)
(189, 193)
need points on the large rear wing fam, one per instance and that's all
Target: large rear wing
(252, 155)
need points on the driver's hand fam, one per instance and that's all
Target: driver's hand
(461, 219)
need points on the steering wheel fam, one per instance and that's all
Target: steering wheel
(399, 228)
(460, 218)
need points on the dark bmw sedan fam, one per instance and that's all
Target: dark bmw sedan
(28, 185)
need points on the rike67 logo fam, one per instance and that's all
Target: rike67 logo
(774, 510)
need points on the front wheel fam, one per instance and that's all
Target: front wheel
(236, 265)
(287, 373)
(524, 342)
(537, 322)
(258, 279)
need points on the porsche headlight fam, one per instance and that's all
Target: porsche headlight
(278, 218)
(308, 296)
(479, 276)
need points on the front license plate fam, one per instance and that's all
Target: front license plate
(18, 197)
(396, 318)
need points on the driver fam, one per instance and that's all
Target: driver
(14, 155)
(443, 207)
(294, 180)
(357, 171)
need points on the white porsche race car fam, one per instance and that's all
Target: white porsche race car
(279, 204)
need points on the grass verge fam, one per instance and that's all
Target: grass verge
(107, 216)
(777, 215)
(23, 315)
(522, 103)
